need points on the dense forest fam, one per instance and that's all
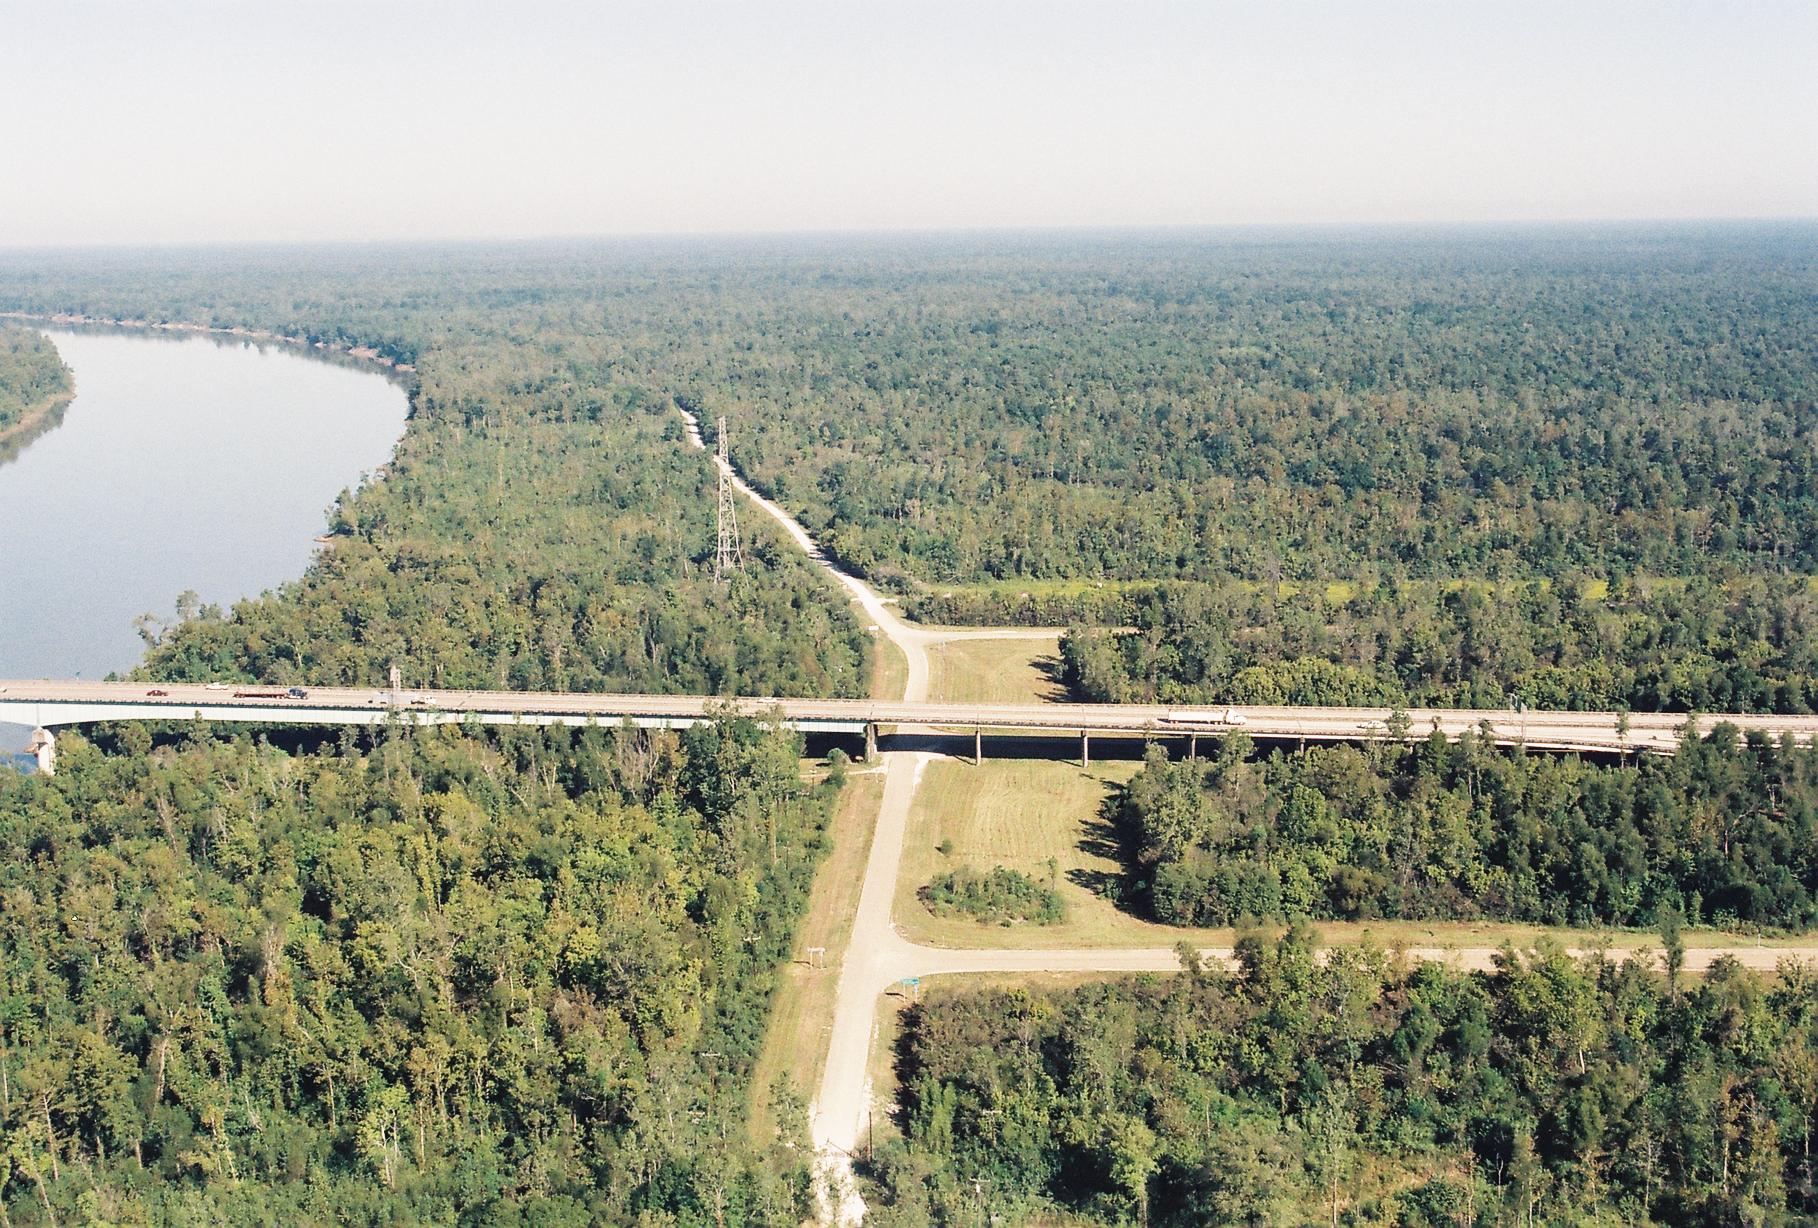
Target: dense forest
(1424, 403)
(1455, 429)
(1360, 1090)
(1747, 645)
(543, 523)
(34, 385)
(540, 528)
(1726, 831)
(434, 976)
(1439, 405)
(421, 978)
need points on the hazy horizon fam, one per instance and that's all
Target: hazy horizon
(210, 122)
(1439, 227)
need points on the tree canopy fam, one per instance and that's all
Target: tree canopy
(1724, 832)
(34, 385)
(1352, 1087)
(423, 977)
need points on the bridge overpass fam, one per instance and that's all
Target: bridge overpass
(48, 704)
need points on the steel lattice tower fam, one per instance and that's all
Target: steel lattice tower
(728, 556)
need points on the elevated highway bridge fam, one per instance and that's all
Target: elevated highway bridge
(49, 704)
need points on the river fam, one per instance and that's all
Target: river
(185, 462)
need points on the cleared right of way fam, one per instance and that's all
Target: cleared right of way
(878, 957)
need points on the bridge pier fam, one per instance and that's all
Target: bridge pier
(1085, 749)
(1192, 747)
(43, 748)
(978, 747)
(870, 742)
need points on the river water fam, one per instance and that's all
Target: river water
(184, 463)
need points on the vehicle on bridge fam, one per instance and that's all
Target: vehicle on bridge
(1227, 716)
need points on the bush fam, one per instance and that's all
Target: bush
(1002, 897)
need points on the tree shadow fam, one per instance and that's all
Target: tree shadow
(908, 1066)
(1106, 837)
(1054, 674)
(1100, 837)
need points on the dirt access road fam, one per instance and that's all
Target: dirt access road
(878, 957)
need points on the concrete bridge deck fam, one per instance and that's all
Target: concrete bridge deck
(47, 704)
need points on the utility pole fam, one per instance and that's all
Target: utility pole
(728, 555)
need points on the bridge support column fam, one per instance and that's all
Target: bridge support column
(43, 748)
(1085, 749)
(870, 742)
(978, 747)
(1192, 747)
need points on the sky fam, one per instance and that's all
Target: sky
(129, 122)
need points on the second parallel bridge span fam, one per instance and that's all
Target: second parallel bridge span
(47, 704)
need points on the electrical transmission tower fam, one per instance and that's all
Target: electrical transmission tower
(728, 556)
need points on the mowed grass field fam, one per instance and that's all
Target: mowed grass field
(801, 1014)
(993, 671)
(1019, 813)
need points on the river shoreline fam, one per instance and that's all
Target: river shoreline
(36, 421)
(179, 467)
(363, 353)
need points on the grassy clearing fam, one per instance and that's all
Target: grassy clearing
(1456, 934)
(1042, 588)
(801, 1015)
(1334, 590)
(994, 671)
(1020, 813)
(889, 668)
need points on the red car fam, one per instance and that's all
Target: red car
(157, 694)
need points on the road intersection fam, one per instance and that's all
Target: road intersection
(879, 956)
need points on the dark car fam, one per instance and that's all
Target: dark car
(156, 694)
(297, 692)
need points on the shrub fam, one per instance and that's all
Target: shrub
(1002, 897)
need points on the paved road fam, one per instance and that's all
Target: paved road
(61, 702)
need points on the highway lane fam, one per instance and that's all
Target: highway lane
(64, 702)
